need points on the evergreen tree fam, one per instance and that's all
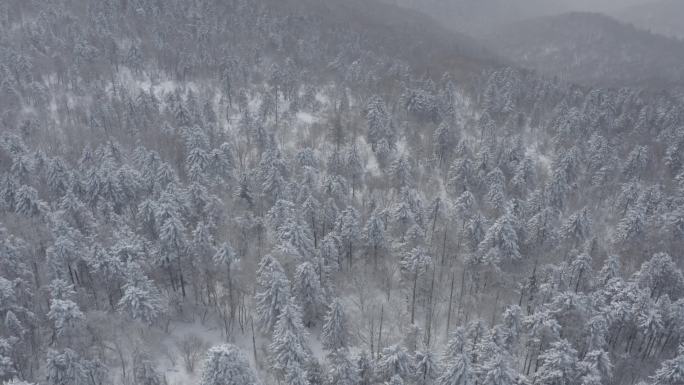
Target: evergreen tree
(497, 371)
(671, 372)
(309, 293)
(141, 300)
(457, 369)
(342, 370)
(559, 365)
(426, 368)
(500, 243)
(273, 292)
(65, 368)
(395, 362)
(65, 315)
(374, 235)
(415, 264)
(335, 334)
(289, 343)
(349, 230)
(227, 365)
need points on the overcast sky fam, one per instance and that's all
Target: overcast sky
(601, 5)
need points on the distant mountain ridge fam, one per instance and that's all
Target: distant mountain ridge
(663, 17)
(398, 32)
(590, 48)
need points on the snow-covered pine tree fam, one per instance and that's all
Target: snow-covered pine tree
(497, 370)
(349, 230)
(141, 299)
(309, 293)
(559, 365)
(65, 316)
(426, 368)
(374, 235)
(289, 344)
(414, 264)
(335, 334)
(227, 365)
(501, 240)
(273, 292)
(342, 370)
(395, 361)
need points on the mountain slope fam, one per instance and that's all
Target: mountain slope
(592, 49)
(398, 32)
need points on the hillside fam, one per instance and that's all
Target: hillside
(305, 192)
(592, 49)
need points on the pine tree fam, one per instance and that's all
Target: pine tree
(141, 300)
(559, 365)
(309, 293)
(577, 227)
(426, 368)
(671, 372)
(27, 202)
(444, 140)
(172, 237)
(400, 172)
(65, 368)
(374, 235)
(335, 334)
(272, 173)
(65, 315)
(349, 230)
(582, 270)
(457, 369)
(227, 365)
(289, 343)
(415, 264)
(226, 256)
(497, 371)
(273, 292)
(395, 361)
(500, 242)
(342, 370)
(496, 196)
(378, 121)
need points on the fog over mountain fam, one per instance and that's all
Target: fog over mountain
(592, 49)
(662, 17)
(339, 192)
(477, 17)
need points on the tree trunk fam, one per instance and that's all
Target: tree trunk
(256, 361)
(180, 273)
(382, 313)
(451, 297)
(428, 315)
(413, 297)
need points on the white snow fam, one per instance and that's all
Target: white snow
(306, 118)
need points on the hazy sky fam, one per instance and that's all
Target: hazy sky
(601, 5)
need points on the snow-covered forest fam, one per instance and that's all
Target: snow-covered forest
(323, 192)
